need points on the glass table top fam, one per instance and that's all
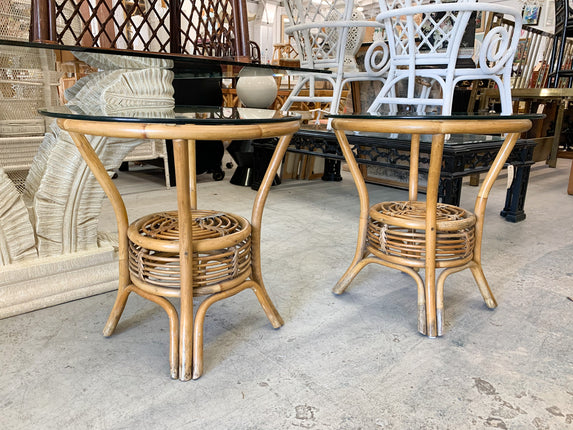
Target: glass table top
(452, 140)
(179, 115)
(432, 116)
(183, 66)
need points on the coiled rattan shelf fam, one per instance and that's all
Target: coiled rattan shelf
(396, 233)
(221, 251)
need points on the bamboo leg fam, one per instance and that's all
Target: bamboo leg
(200, 324)
(345, 280)
(483, 286)
(116, 311)
(173, 328)
(479, 210)
(414, 274)
(414, 167)
(350, 274)
(267, 305)
(184, 203)
(97, 168)
(259, 204)
(440, 294)
(431, 212)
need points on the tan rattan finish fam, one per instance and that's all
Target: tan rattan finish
(218, 265)
(412, 235)
(186, 252)
(397, 233)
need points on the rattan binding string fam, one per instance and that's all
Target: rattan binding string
(396, 231)
(221, 250)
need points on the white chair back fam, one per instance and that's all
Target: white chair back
(319, 47)
(327, 35)
(424, 42)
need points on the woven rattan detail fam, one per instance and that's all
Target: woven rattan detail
(396, 231)
(221, 250)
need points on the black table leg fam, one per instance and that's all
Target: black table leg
(450, 191)
(515, 197)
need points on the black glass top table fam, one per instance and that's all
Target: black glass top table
(183, 65)
(189, 251)
(413, 235)
(33, 72)
(384, 159)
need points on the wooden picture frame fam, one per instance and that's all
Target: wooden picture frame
(531, 15)
(522, 51)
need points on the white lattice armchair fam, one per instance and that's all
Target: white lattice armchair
(424, 42)
(327, 35)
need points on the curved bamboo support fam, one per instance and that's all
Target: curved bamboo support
(200, 323)
(259, 204)
(483, 286)
(173, 327)
(267, 305)
(350, 274)
(483, 193)
(345, 280)
(100, 173)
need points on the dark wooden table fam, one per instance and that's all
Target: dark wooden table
(469, 155)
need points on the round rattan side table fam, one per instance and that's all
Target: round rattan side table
(413, 235)
(187, 252)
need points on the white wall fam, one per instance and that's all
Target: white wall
(265, 28)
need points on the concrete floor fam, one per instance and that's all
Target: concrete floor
(353, 361)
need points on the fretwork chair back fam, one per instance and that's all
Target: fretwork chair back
(425, 41)
(560, 66)
(413, 235)
(327, 35)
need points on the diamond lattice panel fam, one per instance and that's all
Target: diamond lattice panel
(207, 28)
(432, 32)
(141, 25)
(203, 27)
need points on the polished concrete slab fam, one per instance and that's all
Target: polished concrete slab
(353, 361)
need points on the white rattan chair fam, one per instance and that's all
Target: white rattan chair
(327, 35)
(424, 42)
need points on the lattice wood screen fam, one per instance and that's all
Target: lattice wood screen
(204, 27)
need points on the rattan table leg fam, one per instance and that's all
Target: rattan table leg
(100, 173)
(184, 202)
(173, 328)
(256, 220)
(360, 252)
(431, 232)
